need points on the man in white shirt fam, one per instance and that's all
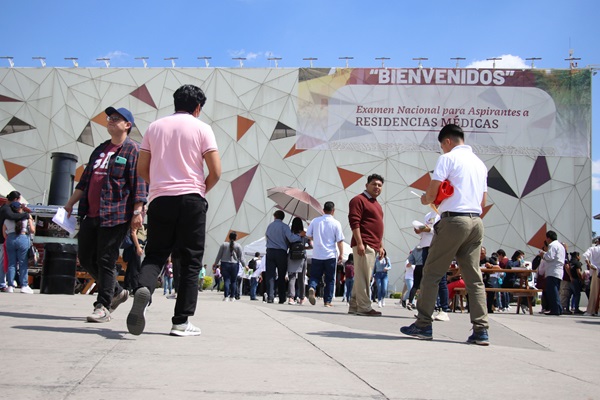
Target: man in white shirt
(326, 234)
(459, 234)
(592, 259)
(555, 263)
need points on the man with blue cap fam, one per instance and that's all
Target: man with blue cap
(111, 199)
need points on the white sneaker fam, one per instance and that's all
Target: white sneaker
(379, 304)
(441, 316)
(225, 298)
(185, 329)
(100, 314)
(26, 290)
(383, 303)
(11, 289)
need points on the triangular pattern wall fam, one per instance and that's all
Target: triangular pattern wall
(62, 110)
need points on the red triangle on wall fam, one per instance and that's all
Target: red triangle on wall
(537, 240)
(243, 124)
(143, 94)
(422, 183)
(348, 177)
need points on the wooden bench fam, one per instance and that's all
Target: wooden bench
(90, 282)
(518, 292)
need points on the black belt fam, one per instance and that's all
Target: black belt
(458, 214)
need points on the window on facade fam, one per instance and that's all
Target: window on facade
(282, 131)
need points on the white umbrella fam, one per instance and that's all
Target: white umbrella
(296, 202)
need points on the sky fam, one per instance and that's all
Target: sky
(295, 29)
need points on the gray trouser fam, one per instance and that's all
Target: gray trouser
(458, 237)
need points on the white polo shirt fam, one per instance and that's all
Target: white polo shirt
(468, 174)
(326, 232)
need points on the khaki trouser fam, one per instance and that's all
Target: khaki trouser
(363, 270)
(592, 307)
(461, 237)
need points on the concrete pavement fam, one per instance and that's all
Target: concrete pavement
(249, 349)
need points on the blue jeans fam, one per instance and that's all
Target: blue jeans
(409, 285)
(253, 286)
(16, 247)
(317, 269)
(349, 286)
(382, 284)
(2, 273)
(167, 284)
(229, 272)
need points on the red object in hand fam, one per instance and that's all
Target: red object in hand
(446, 190)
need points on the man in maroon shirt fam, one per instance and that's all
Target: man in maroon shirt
(366, 221)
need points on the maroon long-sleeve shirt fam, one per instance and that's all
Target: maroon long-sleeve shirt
(366, 213)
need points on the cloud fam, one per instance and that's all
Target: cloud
(596, 175)
(251, 55)
(507, 61)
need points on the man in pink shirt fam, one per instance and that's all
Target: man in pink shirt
(172, 157)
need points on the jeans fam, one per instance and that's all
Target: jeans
(253, 286)
(317, 269)
(176, 223)
(417, 283)
(349, 286)
(382, 284)
(98, 251)
(229, 271)
(576, 288)
(16, 249)
(2, 273)
(276, 265)
(409, 285)
(167, 284)
(443, 294)
(551, 290)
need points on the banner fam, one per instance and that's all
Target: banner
(517, 112)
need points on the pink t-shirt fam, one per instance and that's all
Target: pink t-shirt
(177, 145)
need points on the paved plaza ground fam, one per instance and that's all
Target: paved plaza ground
(252, 350)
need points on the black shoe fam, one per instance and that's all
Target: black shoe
(269, 300)
(567, 312)
(551, 313)
(578, 312)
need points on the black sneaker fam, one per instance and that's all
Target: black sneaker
(136, 320)
(480, 338)
(420, 333)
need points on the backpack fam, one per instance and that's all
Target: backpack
(297, 251)
(252, 264)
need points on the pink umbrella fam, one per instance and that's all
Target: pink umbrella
(296, 202)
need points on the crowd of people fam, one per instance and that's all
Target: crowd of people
(124, 182)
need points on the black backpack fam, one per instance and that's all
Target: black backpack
(297, 251)
(252, 264)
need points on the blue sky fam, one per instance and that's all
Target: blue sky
(295, 29)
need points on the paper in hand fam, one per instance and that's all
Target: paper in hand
(67, 223)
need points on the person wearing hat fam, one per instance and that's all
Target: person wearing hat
(111, 198)
(6, 213)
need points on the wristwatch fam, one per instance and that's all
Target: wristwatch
(137, 212)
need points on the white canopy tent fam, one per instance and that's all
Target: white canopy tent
(260, 246)
(6, 188)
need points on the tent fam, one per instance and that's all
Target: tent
(6, 188)
(260, 246)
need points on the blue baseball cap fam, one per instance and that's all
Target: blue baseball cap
(125, 113)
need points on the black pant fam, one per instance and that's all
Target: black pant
(176, 223)
(418, 275)
(276, 262)
(98, 251)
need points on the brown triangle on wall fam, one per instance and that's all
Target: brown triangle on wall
(537, 240)
(240, 235)
(293, 151)
(243, 124)
(422, 183)
(348, 177)
(12, 169)
(100, 119)
(143, 94)
(79, 172)
(6, 99)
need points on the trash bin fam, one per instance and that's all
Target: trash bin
(58, 271)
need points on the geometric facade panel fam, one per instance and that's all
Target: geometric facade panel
(496, 181)
(65, 113)
(539, 175)
(16, 125)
